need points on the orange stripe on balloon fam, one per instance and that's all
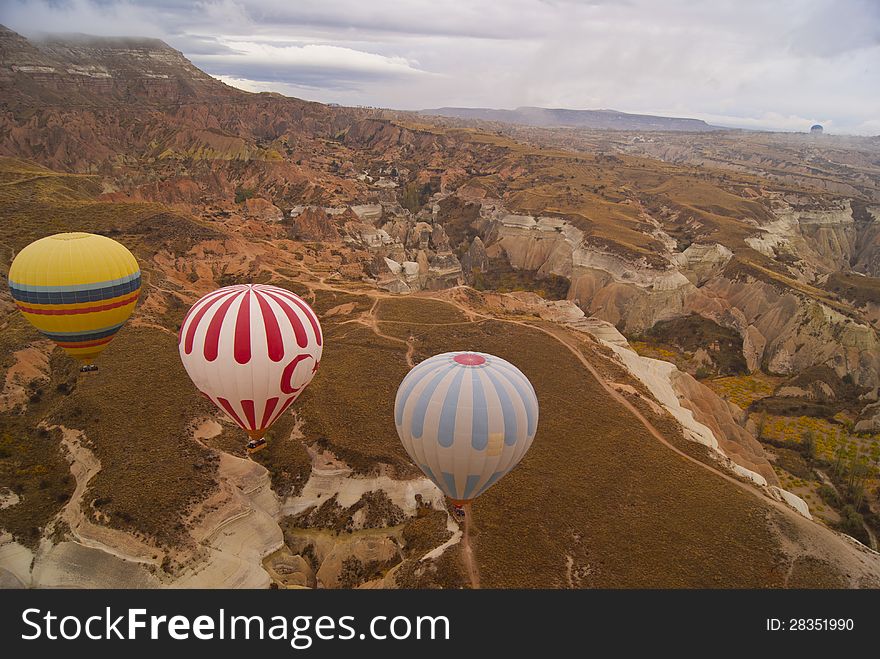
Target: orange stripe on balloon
(81, 310)
(85, 344)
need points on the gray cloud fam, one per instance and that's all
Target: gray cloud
(782, 65)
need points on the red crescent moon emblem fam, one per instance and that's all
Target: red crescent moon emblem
(287, 375)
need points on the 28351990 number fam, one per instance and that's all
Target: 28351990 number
(820, 624)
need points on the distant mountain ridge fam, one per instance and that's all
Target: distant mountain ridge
(596, 119)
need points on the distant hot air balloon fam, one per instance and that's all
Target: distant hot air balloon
(78, 289)
(466, 419)
(251, 349)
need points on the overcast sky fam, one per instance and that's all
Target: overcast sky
(777, 64)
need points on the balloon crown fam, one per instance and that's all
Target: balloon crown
(469, 359)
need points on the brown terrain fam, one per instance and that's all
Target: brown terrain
(698, 312)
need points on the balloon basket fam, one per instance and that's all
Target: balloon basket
(256, 445)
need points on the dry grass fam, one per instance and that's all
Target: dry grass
(286, 458)
(32, 465)
(34, 206)
(417, 310)
(597, 488)
(856, 288)
(504, 278)
(325, 300)
(135, 412)
(348, 407)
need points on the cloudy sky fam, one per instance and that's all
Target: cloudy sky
(775, 64)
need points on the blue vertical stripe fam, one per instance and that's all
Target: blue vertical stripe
(526, 393)
(449, 479)
(410, 382)
(446, 431)
(480, 414)
(430, 474)
(424, 391)
(471, 484)
(507, 409)
(421, 409)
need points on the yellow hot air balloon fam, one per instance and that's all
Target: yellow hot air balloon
(78, 289)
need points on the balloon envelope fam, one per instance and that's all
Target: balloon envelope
(251, 349)
(78, 289)
(466, 419)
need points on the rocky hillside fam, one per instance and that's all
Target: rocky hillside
(669, 315)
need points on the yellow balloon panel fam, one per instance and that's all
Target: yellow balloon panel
(78, 289)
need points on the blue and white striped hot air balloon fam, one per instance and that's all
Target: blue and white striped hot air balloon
(466, 419)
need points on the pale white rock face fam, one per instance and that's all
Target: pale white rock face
(393, 266)
(366, 548)
(824, 240)
(870, 419)
(233, 530)
(626, 272)
(602, 330)
(547, 223)
(655, 374)
(753, 347)
(72, 565)
(370, 213)
(15, 563)
(396, 286)
(792, 500)
(659, 377)
(348, 488)
(101, 72)
(239, 529)
(8, 498)
(519, 221)
(331, 478)
(410, 269)
(372, 237)
(781, 330)
(702, 261)
(29, 68)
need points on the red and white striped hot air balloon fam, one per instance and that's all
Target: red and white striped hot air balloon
(251, 349)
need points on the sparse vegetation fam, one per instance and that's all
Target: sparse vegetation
(432, 312)
(33, 467)
(151, 470)
(348, 407)
(698, 345)
(625, 482)
(502, 277)
(243, 194)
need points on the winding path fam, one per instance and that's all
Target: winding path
(467, 552)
